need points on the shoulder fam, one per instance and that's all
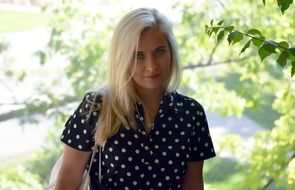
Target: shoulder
(186, 101)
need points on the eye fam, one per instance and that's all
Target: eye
(139, 56)
(160, 51)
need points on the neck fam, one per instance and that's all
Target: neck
(151, 98)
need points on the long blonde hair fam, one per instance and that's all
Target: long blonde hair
(119, 100)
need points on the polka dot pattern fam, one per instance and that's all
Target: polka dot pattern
(133, 159)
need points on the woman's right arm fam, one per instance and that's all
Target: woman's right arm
(72, 168)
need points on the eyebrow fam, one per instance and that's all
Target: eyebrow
(160, 47)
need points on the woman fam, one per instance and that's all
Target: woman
(151, 136)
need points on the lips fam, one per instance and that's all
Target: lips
(153, 76)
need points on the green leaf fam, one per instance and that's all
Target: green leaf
(292, 51)
(220, 35)
(258, 41)
(245, 47)
(285, 5)
(279, 2)
(263, 1)
(283, 46)
(254, 31)
(270, 46)
(215, 29)
(263, 54)
(220, 22)
(206, 26)
(211, 22)
(229, 28)
(235, 37)
(282, 60)
(293, 69)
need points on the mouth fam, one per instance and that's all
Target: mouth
(153, 76)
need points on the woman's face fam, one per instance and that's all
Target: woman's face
(153, 61)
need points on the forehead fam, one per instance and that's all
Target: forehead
(150, 39)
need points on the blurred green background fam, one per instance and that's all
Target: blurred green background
(52, 53)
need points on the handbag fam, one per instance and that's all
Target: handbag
(85, 182)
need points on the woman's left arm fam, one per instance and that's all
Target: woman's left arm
(193, 179)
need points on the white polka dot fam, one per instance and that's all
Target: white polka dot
(157, 161)
(116, 142)
(75, 126)
(116, 158)
(134, 182)
(129, 159)
(141, 175)
(69, 141)
(80, 146)
(160, 184)
(129, 143)
(77, 136)
(170, 162)
(167, 178)
(84, 131)
(123, 150)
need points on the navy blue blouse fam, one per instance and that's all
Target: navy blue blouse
(133, 159)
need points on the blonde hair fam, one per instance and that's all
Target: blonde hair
(119, 100)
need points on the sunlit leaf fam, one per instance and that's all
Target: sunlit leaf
(293, 69)
(283, 45)
(229, 28)
(263, 54)
(220, 35)
(245, 46)
(215, 29)
(254, 31)
(292, 51)
(285, 4)
(270, 46)
(282, 60)
(258, 41)
(220, 22)
(234, 37)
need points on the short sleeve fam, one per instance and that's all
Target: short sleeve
(79, 128)
(201, 145)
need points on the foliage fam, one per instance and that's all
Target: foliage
(272, 154)
(265, 47)
(19, 179)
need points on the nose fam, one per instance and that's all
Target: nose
(151, 63)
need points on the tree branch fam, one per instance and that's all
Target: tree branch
(208, 64)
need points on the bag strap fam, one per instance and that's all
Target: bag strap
(99, 166)
(92, 158)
